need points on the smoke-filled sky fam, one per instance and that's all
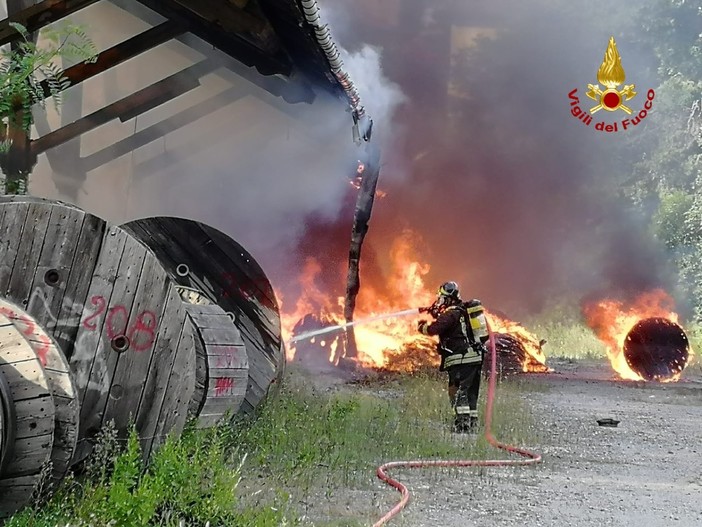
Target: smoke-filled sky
(510, 194)
(507, 192)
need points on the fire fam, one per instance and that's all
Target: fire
(391, 343)
(535, 359)
(611, 320)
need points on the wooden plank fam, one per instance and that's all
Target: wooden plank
(244, 264)
(134, 364)
(44, 302)
(65, 398)
(119, 53)
(214, 319)
(30, 454)
(88, 340)
(11, 230)
(75, 302)
(271, 62)
(28, 252)
(12, 344)
(221, 335)
(226, 381)
(128, 107)
(113, 323)
(26, 379)
(227, 356)
(35, 416)
(157, 377)
(15, 492)
(179, 391)
(39, 15)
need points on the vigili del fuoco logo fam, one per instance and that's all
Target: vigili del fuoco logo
(610, 98)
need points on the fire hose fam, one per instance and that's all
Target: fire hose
(532, 458)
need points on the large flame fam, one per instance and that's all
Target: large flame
(611, 320)
(393, 343)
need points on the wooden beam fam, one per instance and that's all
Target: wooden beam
(228, 16)
(120, 53)
(212, 31)
(158, 130)
(292, 91)
(129, 107)
(39, 15)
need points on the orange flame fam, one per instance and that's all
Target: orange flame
(393, 343)
(535, 359)
(611, 320)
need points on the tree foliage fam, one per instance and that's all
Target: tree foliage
(30, 74)
(672, 166)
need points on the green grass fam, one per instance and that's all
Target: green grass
(309, 459)
(192, 479)
(569, 340)
(318, 445)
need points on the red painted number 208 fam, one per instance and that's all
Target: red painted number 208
(141, 332)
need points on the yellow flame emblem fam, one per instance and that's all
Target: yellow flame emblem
(611, 75)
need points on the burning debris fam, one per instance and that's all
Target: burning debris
(385, 343)
(518, 350)
(643, 338)
(657, 349)
(513, 357)
(325, 349)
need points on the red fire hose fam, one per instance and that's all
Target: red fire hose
(532, 457)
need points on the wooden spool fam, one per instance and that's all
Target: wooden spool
(42, 425)
(113, 310)
(149, 323)
(216, 269)
(223, 367)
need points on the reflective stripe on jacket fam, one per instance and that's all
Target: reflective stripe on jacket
(454, 359)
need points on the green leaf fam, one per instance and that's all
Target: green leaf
(19, 28)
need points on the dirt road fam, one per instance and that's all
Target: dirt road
(646, 472)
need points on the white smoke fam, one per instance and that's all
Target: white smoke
(379, 95)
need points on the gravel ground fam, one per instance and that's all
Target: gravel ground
(646, 472)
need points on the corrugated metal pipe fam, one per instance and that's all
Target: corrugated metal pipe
(312, 14)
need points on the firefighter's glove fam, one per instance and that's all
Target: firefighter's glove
(422, 326)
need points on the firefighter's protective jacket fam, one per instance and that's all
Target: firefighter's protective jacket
(457, 343)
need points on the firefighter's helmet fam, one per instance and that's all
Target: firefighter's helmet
(449, 289)
(448, 295)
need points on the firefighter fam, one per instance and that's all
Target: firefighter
(462, 331)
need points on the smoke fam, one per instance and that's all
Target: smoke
(510, 194)
(379, 96)
(256, 167)
(507, 192)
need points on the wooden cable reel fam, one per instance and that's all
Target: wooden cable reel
(101, 324)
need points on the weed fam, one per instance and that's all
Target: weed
(309, 458)
(321, 447)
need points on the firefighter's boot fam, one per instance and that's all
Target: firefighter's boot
(466, 420)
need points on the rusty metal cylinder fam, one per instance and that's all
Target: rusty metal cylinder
(656, 349)
(105, 323)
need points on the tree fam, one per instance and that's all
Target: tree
(672, 167)
(29, 76)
